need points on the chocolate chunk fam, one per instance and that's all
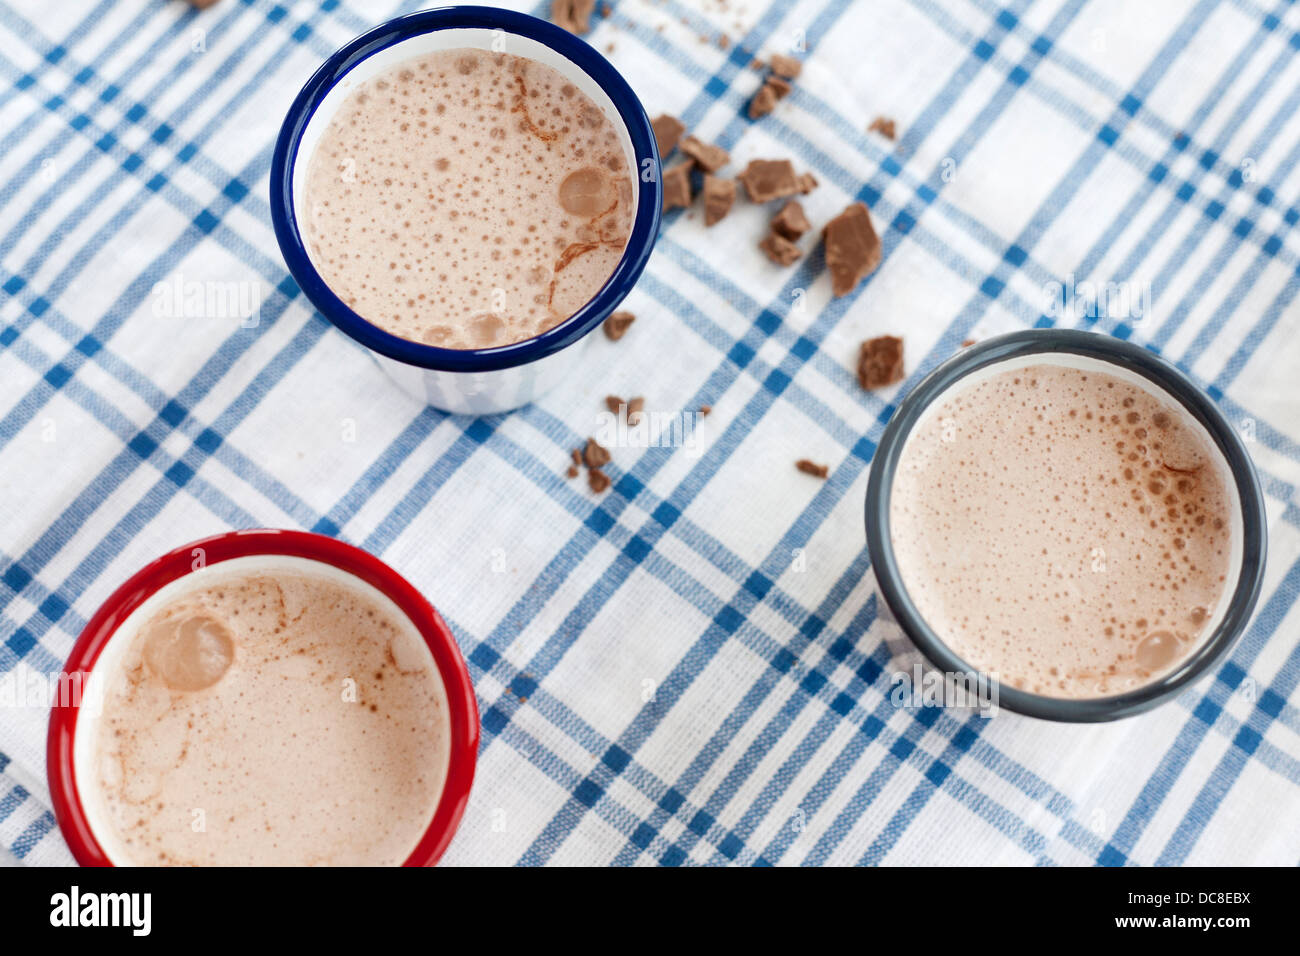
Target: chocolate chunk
(576, 455)
(573, 15)
(790, 222)
(705, 409)
(677, 187)
(595, 455)
(884, 126)
(597, 480)
(766, 179)
(779, 249)
(634, 409)
(880, 362)
(780, 88)
(616, 325)
(764, 102)
(786, 66)
(807, 183)
(812, 468)
(572, 472)
(708, 157)
(719, 194)
(613, 403)
(852, 248)
(668, 131)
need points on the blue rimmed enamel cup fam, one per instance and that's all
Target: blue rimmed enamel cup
(1086, 350)
(467, 381)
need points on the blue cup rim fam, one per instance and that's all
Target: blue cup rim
(645, 227)
(1164, 376)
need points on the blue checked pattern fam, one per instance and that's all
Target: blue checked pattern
(691, 668)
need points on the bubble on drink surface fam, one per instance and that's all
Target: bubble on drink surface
(587, 192)
(189, 651)
(1157, 650)
(486, 330)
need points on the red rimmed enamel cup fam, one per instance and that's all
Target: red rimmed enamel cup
(68, 755)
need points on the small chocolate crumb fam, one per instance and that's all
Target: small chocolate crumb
(779, 249)
(613, 403)
(756, 64)
(595, 455)
(807, 183)
(201, 4)
(597, 480)
(572, 471)
(576, 455)
(677, 187)
(708, 157)
(616, 325)
(786, 66)
(668, 132)
(884, 126)
(790, 222)
(634, 409)
(880, 362)
(764, 102)
(967, 343)
(705, 409)
(780, 88)
(812, 468)
(724, 42)
(573, 15)
(766, 179)
(852, 248)
(719, 195)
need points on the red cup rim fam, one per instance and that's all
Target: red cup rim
(462, 704)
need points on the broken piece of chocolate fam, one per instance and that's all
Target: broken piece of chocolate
(884, 126)
(764, 102)
(708, 157)
(791, 223)
(807, 183)
(634, 409)
(852, 248)
(613, 403)
(780, 88)
(677, 187)
(573, 15)
(705, 409)
(880, 362)
(812, 468)
(571, 472)
(595, 455)
(616, 325)
(786, 66)
(668, 132)
(597, 480)
(719, 195)
(779, 249)
(766, 179)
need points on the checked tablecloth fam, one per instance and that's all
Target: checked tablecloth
(690, 668)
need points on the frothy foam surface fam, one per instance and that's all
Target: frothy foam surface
(1063, 528)
(467, 199)
(272, 720)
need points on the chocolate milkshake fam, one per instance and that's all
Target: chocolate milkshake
(280, 713)
(467, 199)
(1063, 528)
